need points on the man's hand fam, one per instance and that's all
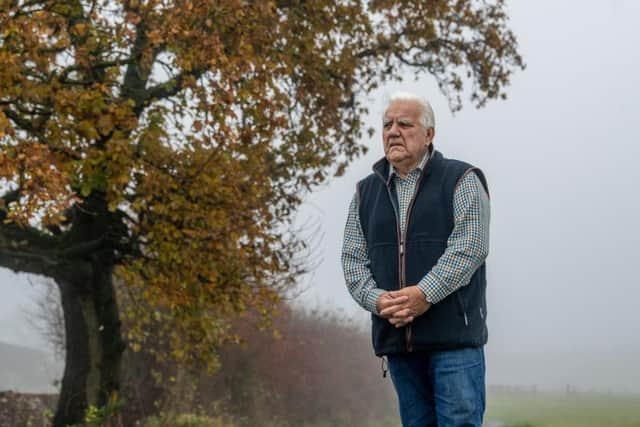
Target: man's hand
(388, 304)
(402, 306)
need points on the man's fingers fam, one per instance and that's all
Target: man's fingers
(398, 294)
(391, 301)
(384, 301)
(404, 313)
(387, 299)
(391, 310)
(402, 316)
(400, 322)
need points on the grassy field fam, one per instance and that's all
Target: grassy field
(546, 409)
(527, 409)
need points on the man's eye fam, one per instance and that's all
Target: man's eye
(406, 124)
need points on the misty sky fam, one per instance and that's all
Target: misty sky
(560, 156)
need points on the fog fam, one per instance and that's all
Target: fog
(560, 157)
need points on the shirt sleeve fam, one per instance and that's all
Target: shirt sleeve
(468, 244)
(356, 263)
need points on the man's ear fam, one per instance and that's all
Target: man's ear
(431, 132)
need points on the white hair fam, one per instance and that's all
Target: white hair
(426, 116)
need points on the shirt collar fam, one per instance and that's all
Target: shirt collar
(420, 167)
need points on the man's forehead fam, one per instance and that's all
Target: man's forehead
(399, 116)
(402, 109)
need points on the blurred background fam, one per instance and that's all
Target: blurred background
(560, 155)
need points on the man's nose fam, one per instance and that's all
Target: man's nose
(394, 129)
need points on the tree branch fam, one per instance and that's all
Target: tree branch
(24, 124)
(27, 262)
(136, 76)
(64, 75)
(82, 249)
(166, 89)
(9, 197)
(27, 250)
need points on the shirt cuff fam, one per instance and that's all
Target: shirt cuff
(371, 304)
(433, 291)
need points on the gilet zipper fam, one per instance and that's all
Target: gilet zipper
(402, 243)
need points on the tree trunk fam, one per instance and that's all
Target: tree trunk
(94, 345)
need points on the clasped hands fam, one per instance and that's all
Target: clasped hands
(402, 306)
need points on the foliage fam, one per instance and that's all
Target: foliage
(185, 420)
(311, 367)
(101, 416)
(319, 371)
(31, 410)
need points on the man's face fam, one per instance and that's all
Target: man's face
(404, 137)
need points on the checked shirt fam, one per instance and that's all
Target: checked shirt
(467, 246)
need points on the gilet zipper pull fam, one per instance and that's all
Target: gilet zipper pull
(384, 366)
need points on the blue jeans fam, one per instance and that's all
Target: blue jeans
(440, 388)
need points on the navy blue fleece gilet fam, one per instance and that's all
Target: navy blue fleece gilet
(458, 320)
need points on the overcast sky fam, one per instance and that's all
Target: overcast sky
(560, 156)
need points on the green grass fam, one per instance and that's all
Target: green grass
(563, 410)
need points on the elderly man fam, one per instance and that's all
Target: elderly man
(416, 238)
